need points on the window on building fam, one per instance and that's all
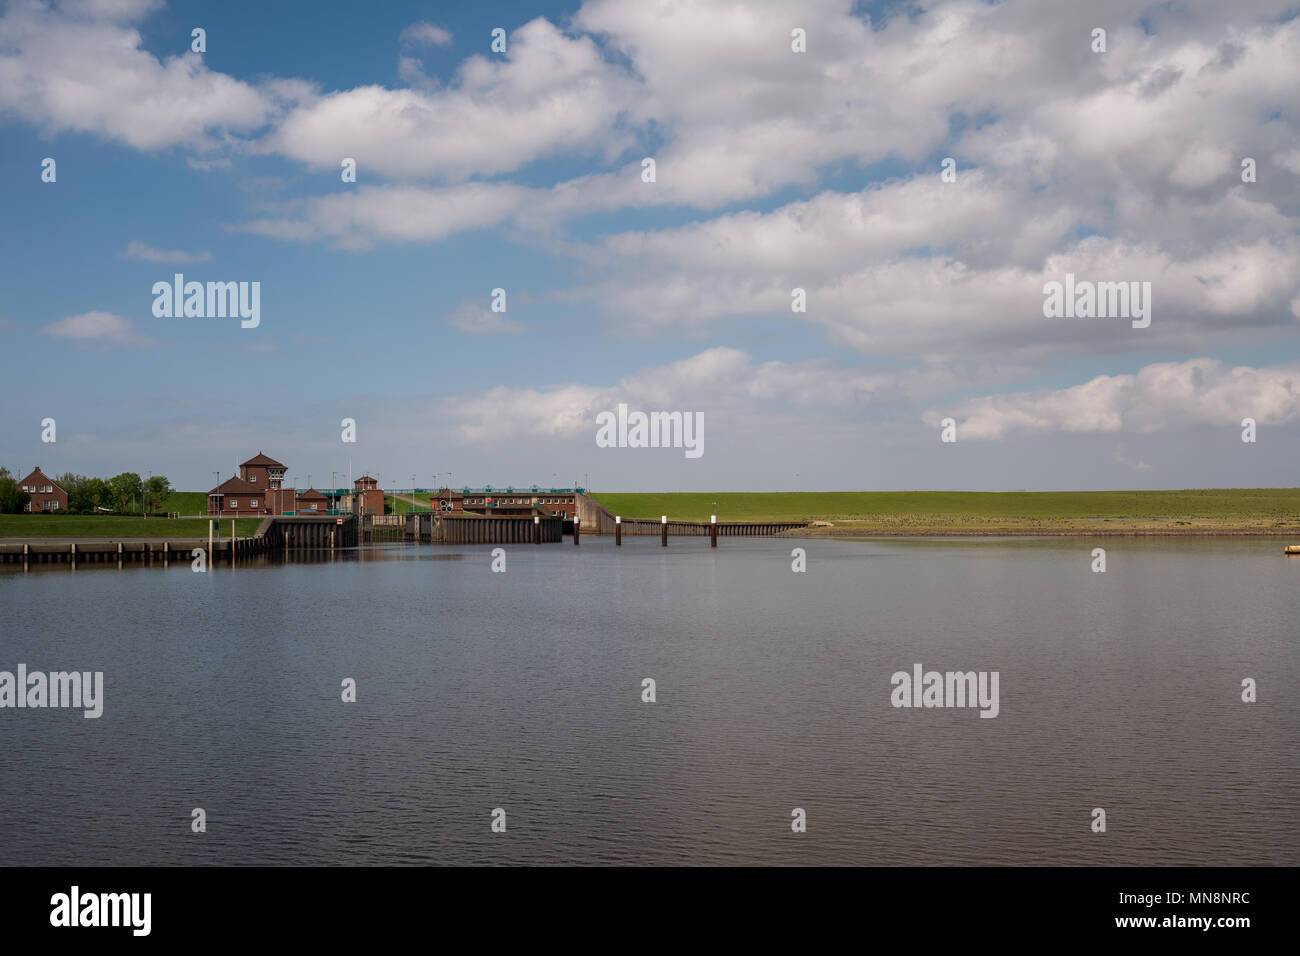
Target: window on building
(252, 477)
(312, 507)
(253, 503)
(234, 504)
(27, 507)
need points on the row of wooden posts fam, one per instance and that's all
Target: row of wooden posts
(663, 531)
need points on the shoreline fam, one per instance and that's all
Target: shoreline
(1044, 533)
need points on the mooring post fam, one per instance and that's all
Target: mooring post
(119, 554)
(537, 530)
(618, 530)
(210, 532)
(74, 555)
(232, 542)
(576, 533)
(663, 525)
(713, 531)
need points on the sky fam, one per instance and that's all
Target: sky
(796, 146)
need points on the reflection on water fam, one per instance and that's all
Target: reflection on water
(522, 690)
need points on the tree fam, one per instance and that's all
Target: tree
(13, 500)
(157, 488)
(83, 493)
(125, 488)
(98, 493)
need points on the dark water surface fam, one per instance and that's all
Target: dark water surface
(522, 691)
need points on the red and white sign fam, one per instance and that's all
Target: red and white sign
(338, 520)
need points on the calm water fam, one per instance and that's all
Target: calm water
(522, 691)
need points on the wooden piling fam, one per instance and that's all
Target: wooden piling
(713, 531)
(576, 533)
(663, 533)
(618, 530)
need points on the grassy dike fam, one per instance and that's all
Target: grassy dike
(1209, 511)
(115, 526)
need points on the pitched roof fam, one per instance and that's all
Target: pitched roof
(311, 493)
(448, 493)
(260, 459)
(37, 474)
(237, 486)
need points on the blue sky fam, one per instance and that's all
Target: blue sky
(775, 169)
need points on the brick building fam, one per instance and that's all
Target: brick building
(43, 494)
(258, 489)
(448, 502)
(372, 499)
(552, 503)
(311, 502)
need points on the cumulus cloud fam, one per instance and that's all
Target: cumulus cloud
(720, 381)
(1159, 397)
(81, 67)
(550, 93)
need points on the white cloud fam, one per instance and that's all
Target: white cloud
(82, 68)
(426, 34)
(208, 165)
(718, 381)
(1160, 397)
(97, 328)
(147, 253)
(549, 94)
(477, 320)
(357, 220)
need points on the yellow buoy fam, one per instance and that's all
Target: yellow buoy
(1292, 549)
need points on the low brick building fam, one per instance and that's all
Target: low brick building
(42, 493)
(448, 502)
(549, 503)
(311, 502)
